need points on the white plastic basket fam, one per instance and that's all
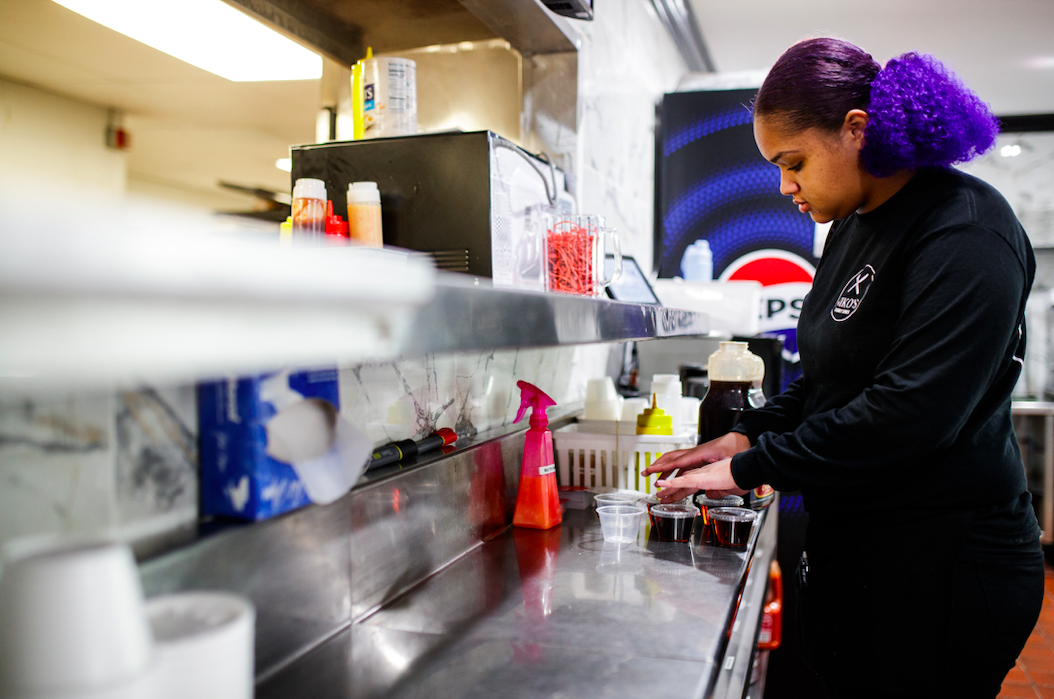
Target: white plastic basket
(611, 460)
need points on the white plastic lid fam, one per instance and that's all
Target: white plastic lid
(734, 362)
(309, 188)
(666, 383)
(363, 193)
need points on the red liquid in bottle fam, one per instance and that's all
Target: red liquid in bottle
(538, 503)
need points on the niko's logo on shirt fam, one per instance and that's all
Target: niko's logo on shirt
(853, 293)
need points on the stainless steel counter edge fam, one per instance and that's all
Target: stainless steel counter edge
(738, 661)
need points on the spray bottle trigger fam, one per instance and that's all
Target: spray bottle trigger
(532, 397)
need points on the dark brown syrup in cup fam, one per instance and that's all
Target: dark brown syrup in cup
(674, 522)
(732, 526)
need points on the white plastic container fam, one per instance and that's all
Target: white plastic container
(204, 645)
(697, 264)
(734, 307)
(364, 214)
(612, 460)
(389, 87)
(72, 624)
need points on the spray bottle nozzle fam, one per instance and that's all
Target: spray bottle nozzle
(533, 397)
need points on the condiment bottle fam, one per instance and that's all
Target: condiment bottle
(654, 420)
(364, 213)
(537, 502)
(309, 208)
(733, 370)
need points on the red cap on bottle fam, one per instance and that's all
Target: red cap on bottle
(335, 225)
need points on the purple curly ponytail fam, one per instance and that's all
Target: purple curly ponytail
(920, 113)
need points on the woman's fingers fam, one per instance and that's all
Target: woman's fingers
(715, 476)
(668, 495)
(684, 459)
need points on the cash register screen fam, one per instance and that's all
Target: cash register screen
(631, 286)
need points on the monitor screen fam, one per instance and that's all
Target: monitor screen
(631, 286)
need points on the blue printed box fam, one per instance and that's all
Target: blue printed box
(239, 477)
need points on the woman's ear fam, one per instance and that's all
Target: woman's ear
(854, 125)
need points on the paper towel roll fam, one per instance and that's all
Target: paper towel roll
(204, 643)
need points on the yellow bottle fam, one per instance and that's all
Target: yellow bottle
(654, 420)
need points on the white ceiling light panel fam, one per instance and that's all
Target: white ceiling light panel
(209, 34)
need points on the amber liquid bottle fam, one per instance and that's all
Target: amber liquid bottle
(722, 407)
(734, 370)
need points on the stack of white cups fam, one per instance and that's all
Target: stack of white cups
(602, 400)
(204, 645)
(73, 625)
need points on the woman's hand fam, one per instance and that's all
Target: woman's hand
(715, 478)
(684, 460)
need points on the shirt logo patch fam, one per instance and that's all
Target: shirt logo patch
(853, 293)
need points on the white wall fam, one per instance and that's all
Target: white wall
(56, 142)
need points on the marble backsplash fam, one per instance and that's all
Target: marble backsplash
(125, 464)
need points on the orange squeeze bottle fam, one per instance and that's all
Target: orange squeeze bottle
(537, 502)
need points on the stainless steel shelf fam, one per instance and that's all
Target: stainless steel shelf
(465, 315)
(85, 305)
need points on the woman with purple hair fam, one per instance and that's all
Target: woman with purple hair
(924, 572)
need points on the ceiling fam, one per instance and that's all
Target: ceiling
(989, 43)
(191, 128)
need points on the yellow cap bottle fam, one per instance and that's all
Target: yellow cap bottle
(654, 420)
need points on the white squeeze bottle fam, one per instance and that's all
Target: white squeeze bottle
(364, 214)
(309, 207)
(697, 264)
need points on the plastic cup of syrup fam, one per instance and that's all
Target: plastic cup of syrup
(674, 522)
(732, 525)
(651, 501)
(706, 504)
(620, 522)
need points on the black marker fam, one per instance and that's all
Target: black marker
(397, 451)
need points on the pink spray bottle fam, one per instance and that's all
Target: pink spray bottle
(537, 502)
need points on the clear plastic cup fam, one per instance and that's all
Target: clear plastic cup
(674, 522)
(620, 522)
(618, 498)
(732, 525)
(706, 504)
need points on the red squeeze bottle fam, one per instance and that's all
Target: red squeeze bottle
(537, 502)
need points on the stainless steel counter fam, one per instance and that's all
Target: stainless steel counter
(556, 613)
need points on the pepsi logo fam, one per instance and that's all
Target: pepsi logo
(785, 278)
(770, 267)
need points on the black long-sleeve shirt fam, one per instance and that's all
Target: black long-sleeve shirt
(911, 341)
